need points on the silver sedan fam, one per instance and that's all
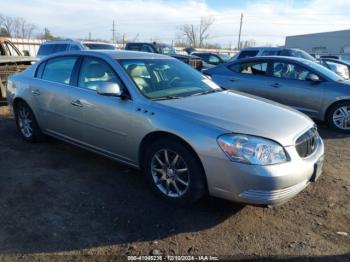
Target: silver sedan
(158, 114)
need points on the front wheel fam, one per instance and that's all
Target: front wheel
(26, 123)
(174, 172)
(339, 117)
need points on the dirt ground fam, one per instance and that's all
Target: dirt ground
(59, 202)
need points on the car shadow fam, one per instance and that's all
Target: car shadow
(62, 198)
(328, 133)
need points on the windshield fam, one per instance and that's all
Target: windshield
(167, 78)
(307, 56)
(322, 69)
(224, 57)
(166, 50)
(100, 46)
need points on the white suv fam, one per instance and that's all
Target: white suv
(51, 47)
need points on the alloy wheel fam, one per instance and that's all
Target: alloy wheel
(25, 122)
(170, 173)
(341, 117)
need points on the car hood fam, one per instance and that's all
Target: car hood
(245, 114)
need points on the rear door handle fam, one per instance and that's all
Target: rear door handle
(233, 79)
(276, 85)
(36, 92)
(76, 103)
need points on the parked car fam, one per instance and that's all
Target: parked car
(272, 51)
(209, 59)
(55, 46)
(165, 49)
(341, 67)
(11, 61)
(292, 52)
(154, 112)
(299, 83)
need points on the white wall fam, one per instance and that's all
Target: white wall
(30, 45)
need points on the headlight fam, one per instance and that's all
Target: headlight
(252, 150)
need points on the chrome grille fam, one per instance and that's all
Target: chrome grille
(306, 144)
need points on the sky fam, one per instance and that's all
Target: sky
(267, 22)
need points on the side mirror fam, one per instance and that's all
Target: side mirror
(109, 89)
(313, 78)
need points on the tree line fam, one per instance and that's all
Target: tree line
(18, 27)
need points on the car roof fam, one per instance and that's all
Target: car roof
(260, 48)
(281, 58)
(114, 54)
(67, 41)
(95, 42)
(267, 48)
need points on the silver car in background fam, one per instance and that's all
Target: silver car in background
(158, 114)
(296, 82)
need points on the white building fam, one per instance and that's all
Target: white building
(327, 43)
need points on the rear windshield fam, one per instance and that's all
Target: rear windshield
(245, 54)
(46, 49)
(49, 49)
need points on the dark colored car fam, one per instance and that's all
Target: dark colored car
(209, 59)
(165, 50)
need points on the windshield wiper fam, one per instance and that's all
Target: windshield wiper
(208, 92)
(167, 98)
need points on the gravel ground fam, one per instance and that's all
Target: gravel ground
(59, 202)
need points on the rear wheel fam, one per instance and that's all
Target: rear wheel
(174, 172)
(26, 123)
(339, 117)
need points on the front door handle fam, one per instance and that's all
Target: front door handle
(36, 92)
(276, 85)
(76, 103)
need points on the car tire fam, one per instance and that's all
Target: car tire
(338, 117)
(27, 125)
(174, 172)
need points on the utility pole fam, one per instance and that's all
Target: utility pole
(89, 36)
(240, 31)
(113, 32)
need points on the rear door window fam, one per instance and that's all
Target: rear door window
(59, 69)
(251, 68)
(245, 54)
(94, 72)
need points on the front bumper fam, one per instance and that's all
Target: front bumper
(263, 185)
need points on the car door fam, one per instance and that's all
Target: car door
(106, 119)
(248, 76)
(51, 91)
(290, 86)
